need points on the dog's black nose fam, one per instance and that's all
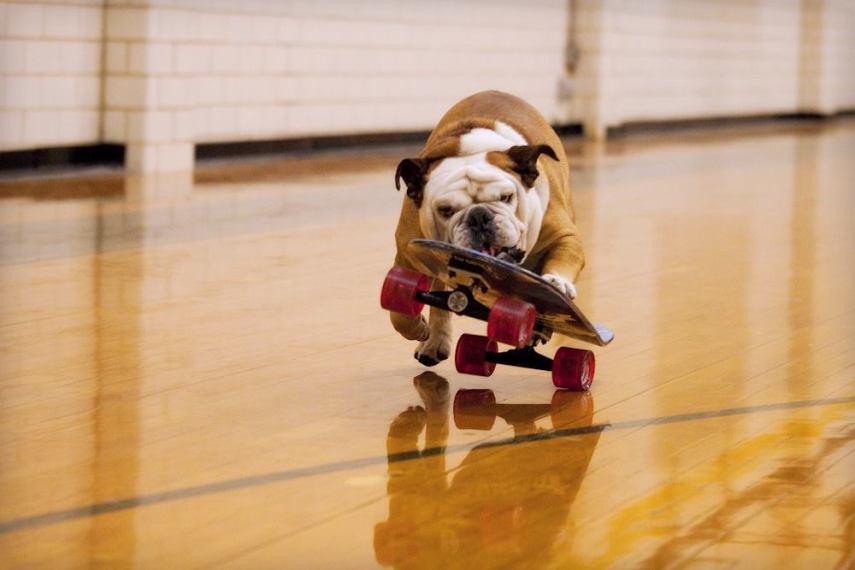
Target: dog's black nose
(481, 227)
(480, 219)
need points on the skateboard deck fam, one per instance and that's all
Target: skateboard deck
(454, 266)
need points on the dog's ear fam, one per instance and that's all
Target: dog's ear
(525, 160)
(413, 171)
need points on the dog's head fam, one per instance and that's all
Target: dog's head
(489, 201)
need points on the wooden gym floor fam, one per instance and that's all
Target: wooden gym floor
(197, 373)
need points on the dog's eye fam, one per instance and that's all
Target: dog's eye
(506, 198)
(445, 211)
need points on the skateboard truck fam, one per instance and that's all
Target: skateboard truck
(572, 368)
(525, 357)
(458, 301)
(461, 301)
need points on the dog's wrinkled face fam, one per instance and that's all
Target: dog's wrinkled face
(473, 203)
(488, 201)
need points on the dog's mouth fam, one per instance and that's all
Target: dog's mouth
(510, 254)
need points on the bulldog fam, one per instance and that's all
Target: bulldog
(493, 177)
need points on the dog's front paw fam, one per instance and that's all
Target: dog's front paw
(563, 285)
(435, 349)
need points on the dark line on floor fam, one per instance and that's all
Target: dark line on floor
(351, 464)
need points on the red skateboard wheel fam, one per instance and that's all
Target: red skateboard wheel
(573, 369)
(511, 321)
(473, 409)
(470, 356)
(399, 291)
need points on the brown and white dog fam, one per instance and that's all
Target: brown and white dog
(492, 176)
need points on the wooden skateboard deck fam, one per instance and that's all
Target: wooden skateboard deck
(457, 266)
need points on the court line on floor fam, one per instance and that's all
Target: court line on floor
(106, 507)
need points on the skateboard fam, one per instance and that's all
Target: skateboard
(521, 309)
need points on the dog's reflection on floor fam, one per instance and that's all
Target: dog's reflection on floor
(507, 502)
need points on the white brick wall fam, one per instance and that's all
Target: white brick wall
(268, 69)
(188, 71)
(668, 59)
(162, 75)
(50, 67)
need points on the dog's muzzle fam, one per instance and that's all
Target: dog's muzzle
(481, 226)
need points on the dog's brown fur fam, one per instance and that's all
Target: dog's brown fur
(558, 249)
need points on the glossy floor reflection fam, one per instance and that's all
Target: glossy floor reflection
(507, 502)
(195, 372)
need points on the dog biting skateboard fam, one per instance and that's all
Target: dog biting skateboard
(488, 218)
